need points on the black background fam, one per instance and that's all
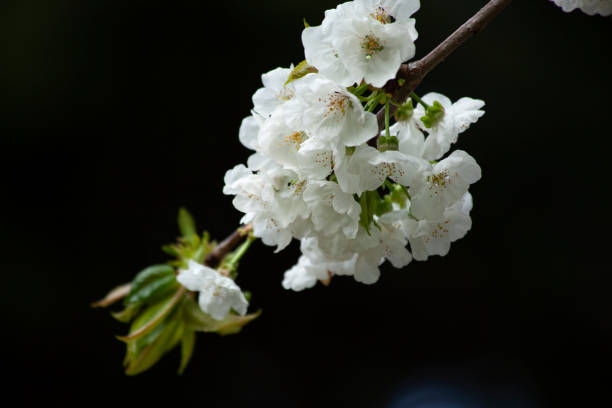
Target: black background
(115, 113)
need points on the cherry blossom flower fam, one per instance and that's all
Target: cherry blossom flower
(590, 7)
(434, 237)
(218, 294)
(367, 169)
(453, 119)
(446, 182)
(363, 40)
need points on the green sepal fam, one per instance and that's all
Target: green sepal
(404, 112)
(390, 143)
(433, 115)
(306, 25)
(301, 70)
(151, 284)
(187, 347)
(186, 224)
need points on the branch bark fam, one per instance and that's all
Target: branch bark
(228, 244)
(414, 72)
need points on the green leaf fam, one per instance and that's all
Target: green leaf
(155, 350)
(233, 324)
(171, 250)
(151, 283)
(186, 224)
(301, 70)
(196, 319)
(113, 296)
(153, 316)
(127, 314)
(187, 347)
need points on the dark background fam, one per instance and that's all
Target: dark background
(115, 113)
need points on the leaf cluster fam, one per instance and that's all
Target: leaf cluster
(161, 313)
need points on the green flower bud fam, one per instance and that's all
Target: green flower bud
(388, 143)
(404, 112)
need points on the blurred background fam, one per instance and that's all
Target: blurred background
(113, 114)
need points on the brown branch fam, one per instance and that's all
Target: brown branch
(414, 73)
(218, 253)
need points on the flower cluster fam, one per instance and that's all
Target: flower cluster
(590, 7)
(316, 175)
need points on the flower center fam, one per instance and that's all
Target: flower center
(337, 103)
(298, 187)
(285, 94)
(371, 45)
(439, 180)
(438, 232)
(382, 16)
(295, 139)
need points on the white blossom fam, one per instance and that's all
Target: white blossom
(445, 183)
(293, 148)
(275, 91)
(249, 130)
(456, 118)
(411, 139)
(434, 237)
(314, 265)
(218, 294)
(359, 257)
(332, 209)
(329, 112)
(367, 169)
(391, 245)
(590, 7)
(363, 40)
(271, 200)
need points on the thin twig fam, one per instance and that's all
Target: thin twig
(218, 253)
(414, 73)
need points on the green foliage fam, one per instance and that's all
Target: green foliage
(301, 70)
(163, 314)
(151, 284)
(195, 319)
(384, 206)
(186, 224)
(187, 347)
